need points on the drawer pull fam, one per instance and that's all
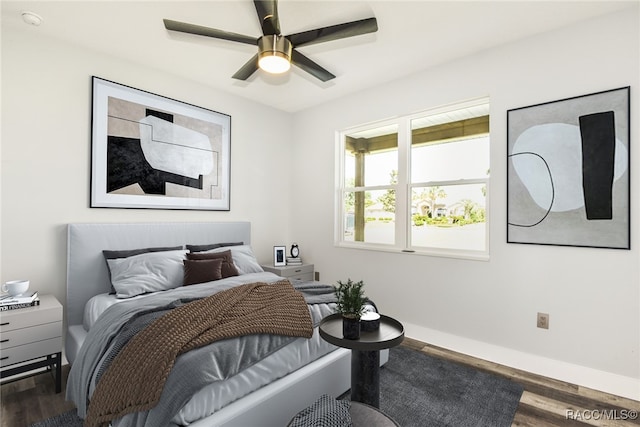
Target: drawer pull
(4, 340)
(4, 358)
(5, 323)
(298, 271)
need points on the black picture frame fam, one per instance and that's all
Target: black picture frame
(568, 177)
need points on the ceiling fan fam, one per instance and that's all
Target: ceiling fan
(275, 51)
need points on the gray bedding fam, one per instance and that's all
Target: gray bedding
(193, 370)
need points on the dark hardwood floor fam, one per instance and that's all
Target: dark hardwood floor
(32, 399)
(545, 402)
(548, 402)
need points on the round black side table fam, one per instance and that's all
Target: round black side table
(365, 354)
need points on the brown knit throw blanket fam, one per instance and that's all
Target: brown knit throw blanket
(137, 375)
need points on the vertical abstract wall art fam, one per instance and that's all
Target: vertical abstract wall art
(149, 151)
(568, 172)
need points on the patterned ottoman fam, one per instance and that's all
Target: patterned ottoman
(329, 412)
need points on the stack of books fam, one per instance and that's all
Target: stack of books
(29, 299)
(294, 261)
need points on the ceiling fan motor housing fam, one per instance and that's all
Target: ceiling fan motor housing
(274, 53)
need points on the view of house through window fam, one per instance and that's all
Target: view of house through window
(417, 183)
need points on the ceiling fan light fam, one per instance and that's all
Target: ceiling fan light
(274, 54)
(274, 63)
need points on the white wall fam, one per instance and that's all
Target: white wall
(46, 154)
(489, 308)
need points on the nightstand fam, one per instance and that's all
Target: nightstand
(31, 338)
(292, 272)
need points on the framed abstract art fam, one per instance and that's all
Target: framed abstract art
(568, 171)
(149, 151)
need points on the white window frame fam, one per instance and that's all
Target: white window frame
(403, 190)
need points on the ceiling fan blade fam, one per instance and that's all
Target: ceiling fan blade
(183, 27)
(334, 32)
(310, 67)
(247, 69)
(268, 15)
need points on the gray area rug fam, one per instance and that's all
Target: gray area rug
(418, 390)
(67, 419)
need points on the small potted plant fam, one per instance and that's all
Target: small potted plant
(350, 302)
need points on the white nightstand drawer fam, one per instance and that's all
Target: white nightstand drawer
(48, 311)
(30, 351)
(302, 276)
(292, 272)
(296, 270)
(29, 335)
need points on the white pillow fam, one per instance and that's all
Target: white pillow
(149, 272)
(243, 258)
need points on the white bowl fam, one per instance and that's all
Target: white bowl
(16, 287)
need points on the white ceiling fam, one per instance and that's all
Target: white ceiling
(412, 36)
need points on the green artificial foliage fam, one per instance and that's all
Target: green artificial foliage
(350, 298)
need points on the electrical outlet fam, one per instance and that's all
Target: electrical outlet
(543, 320)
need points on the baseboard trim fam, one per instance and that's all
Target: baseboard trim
(607, 382)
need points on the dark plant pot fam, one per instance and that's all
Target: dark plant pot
(351, 328)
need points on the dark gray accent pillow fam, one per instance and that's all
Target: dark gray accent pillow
(132, 252)
(228, 267)
(201, 248)
(201, 271)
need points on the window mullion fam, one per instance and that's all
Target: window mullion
(403, 204)
(339, 212)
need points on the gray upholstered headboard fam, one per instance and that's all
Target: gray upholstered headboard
(87, 273)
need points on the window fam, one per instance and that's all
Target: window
(418, 183)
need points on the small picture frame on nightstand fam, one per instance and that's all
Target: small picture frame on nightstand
(279, 256)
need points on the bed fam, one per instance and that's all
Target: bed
(267, 393)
